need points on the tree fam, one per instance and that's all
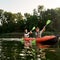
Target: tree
(19, 16)
(16, 22)
(31, 22)
(40, 10)
(57, 10)
(50, 14)
(1, 11)
(35, 12)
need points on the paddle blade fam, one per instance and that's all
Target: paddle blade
(48, 22)
(34, 42)
(22, 40)
(33, 28)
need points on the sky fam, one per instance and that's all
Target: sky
(24, 6)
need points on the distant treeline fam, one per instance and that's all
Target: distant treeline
(16, 22)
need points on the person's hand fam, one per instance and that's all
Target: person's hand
(30, 32)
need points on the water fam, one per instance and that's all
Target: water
(10, 49)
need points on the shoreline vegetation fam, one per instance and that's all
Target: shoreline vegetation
(20, 35)
(16, 22)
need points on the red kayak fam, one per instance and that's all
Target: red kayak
(45, 38)
(44, 41)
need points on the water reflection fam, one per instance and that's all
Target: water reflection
(11, 50)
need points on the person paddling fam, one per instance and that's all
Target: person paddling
(26, 35)
(38, 33)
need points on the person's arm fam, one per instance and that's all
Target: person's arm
(42, 31)
(30, 32)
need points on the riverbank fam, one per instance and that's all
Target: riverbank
(19, 35)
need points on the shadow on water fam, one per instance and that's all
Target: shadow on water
(11, 51)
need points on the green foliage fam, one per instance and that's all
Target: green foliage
(16, 22)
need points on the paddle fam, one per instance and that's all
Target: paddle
(48, 22)
(33, 28)
(22, 40)
(34, 42)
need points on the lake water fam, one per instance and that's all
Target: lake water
(10, 49)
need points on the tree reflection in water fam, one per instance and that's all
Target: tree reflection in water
(11, 50)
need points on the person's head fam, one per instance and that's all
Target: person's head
(37, 29)
(25, 30)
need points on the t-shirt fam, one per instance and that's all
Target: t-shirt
(38, 34)
(26, 34)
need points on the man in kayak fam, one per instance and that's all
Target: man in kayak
(38, 33)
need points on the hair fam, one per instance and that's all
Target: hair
(37, 27)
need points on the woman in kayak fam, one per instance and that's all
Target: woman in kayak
(26, 35)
